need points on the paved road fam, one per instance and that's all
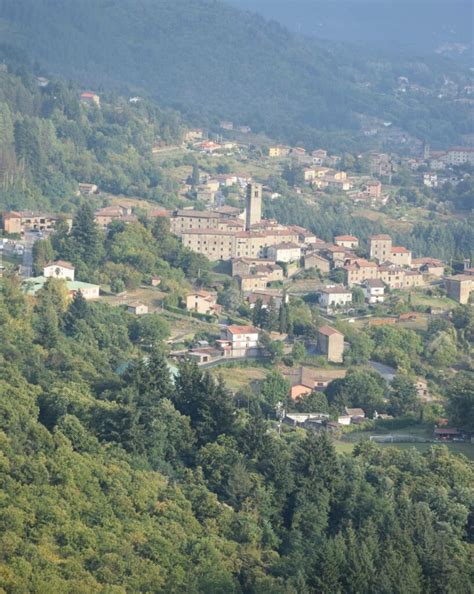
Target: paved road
(388, 373)
(26, 268)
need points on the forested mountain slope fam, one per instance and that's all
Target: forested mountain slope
(134, 483)
(211, 60)
(49, 142)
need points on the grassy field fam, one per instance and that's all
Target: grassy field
(420, 432)
(424, 300)
(240, 378)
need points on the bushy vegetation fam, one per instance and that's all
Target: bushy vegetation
(133, 482)
(49, 142)
(125, 257)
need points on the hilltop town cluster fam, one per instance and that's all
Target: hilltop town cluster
(264, 256)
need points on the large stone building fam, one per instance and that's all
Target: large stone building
(215, 244)
(185, 220)
(316, 261)
(380, 247)
(360, 270)
(400, 255)
(331, 344)
(220, 244)
(460, 287)
(459, 156)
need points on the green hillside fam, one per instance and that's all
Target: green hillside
(49, 142)
(211, 60)
(118, 484)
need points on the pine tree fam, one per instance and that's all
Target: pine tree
(42, 254)
(47, 325)
(208, 404)
(78, 310)
(86, 238)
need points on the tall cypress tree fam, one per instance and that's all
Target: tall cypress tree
(86, 237)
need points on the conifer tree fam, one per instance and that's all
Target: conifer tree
(85, 235)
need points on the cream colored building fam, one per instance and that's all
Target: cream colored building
(380, 247)
(400, 255)
(334, 297)
(203, 302)
(278, 151)
(184, 220)
(285, 252)
(252, 282)
(359, 271)
(254, 245)
(212, 243)
(347, 241)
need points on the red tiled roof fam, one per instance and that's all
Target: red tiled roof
(242, 330)
(399, 250)
(346, 238)
(60, 263)
(328, 331)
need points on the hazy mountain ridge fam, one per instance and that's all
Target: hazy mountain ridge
(421, 24)
(211, 60)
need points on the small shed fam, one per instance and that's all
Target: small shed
(138, 309)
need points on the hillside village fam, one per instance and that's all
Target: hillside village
(236, 302)
(270, 265)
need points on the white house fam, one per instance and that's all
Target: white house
(430, 180)
(331, 297)
(284, 252)
(59, 269)
(344, 420)
(243, 340)
(374, 290)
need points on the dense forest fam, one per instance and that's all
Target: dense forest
(210, 60)
(118, 477)
(49, 141)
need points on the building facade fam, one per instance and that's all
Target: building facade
(380, 247)
(253, 205)
(331, 344)
(59, 269)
